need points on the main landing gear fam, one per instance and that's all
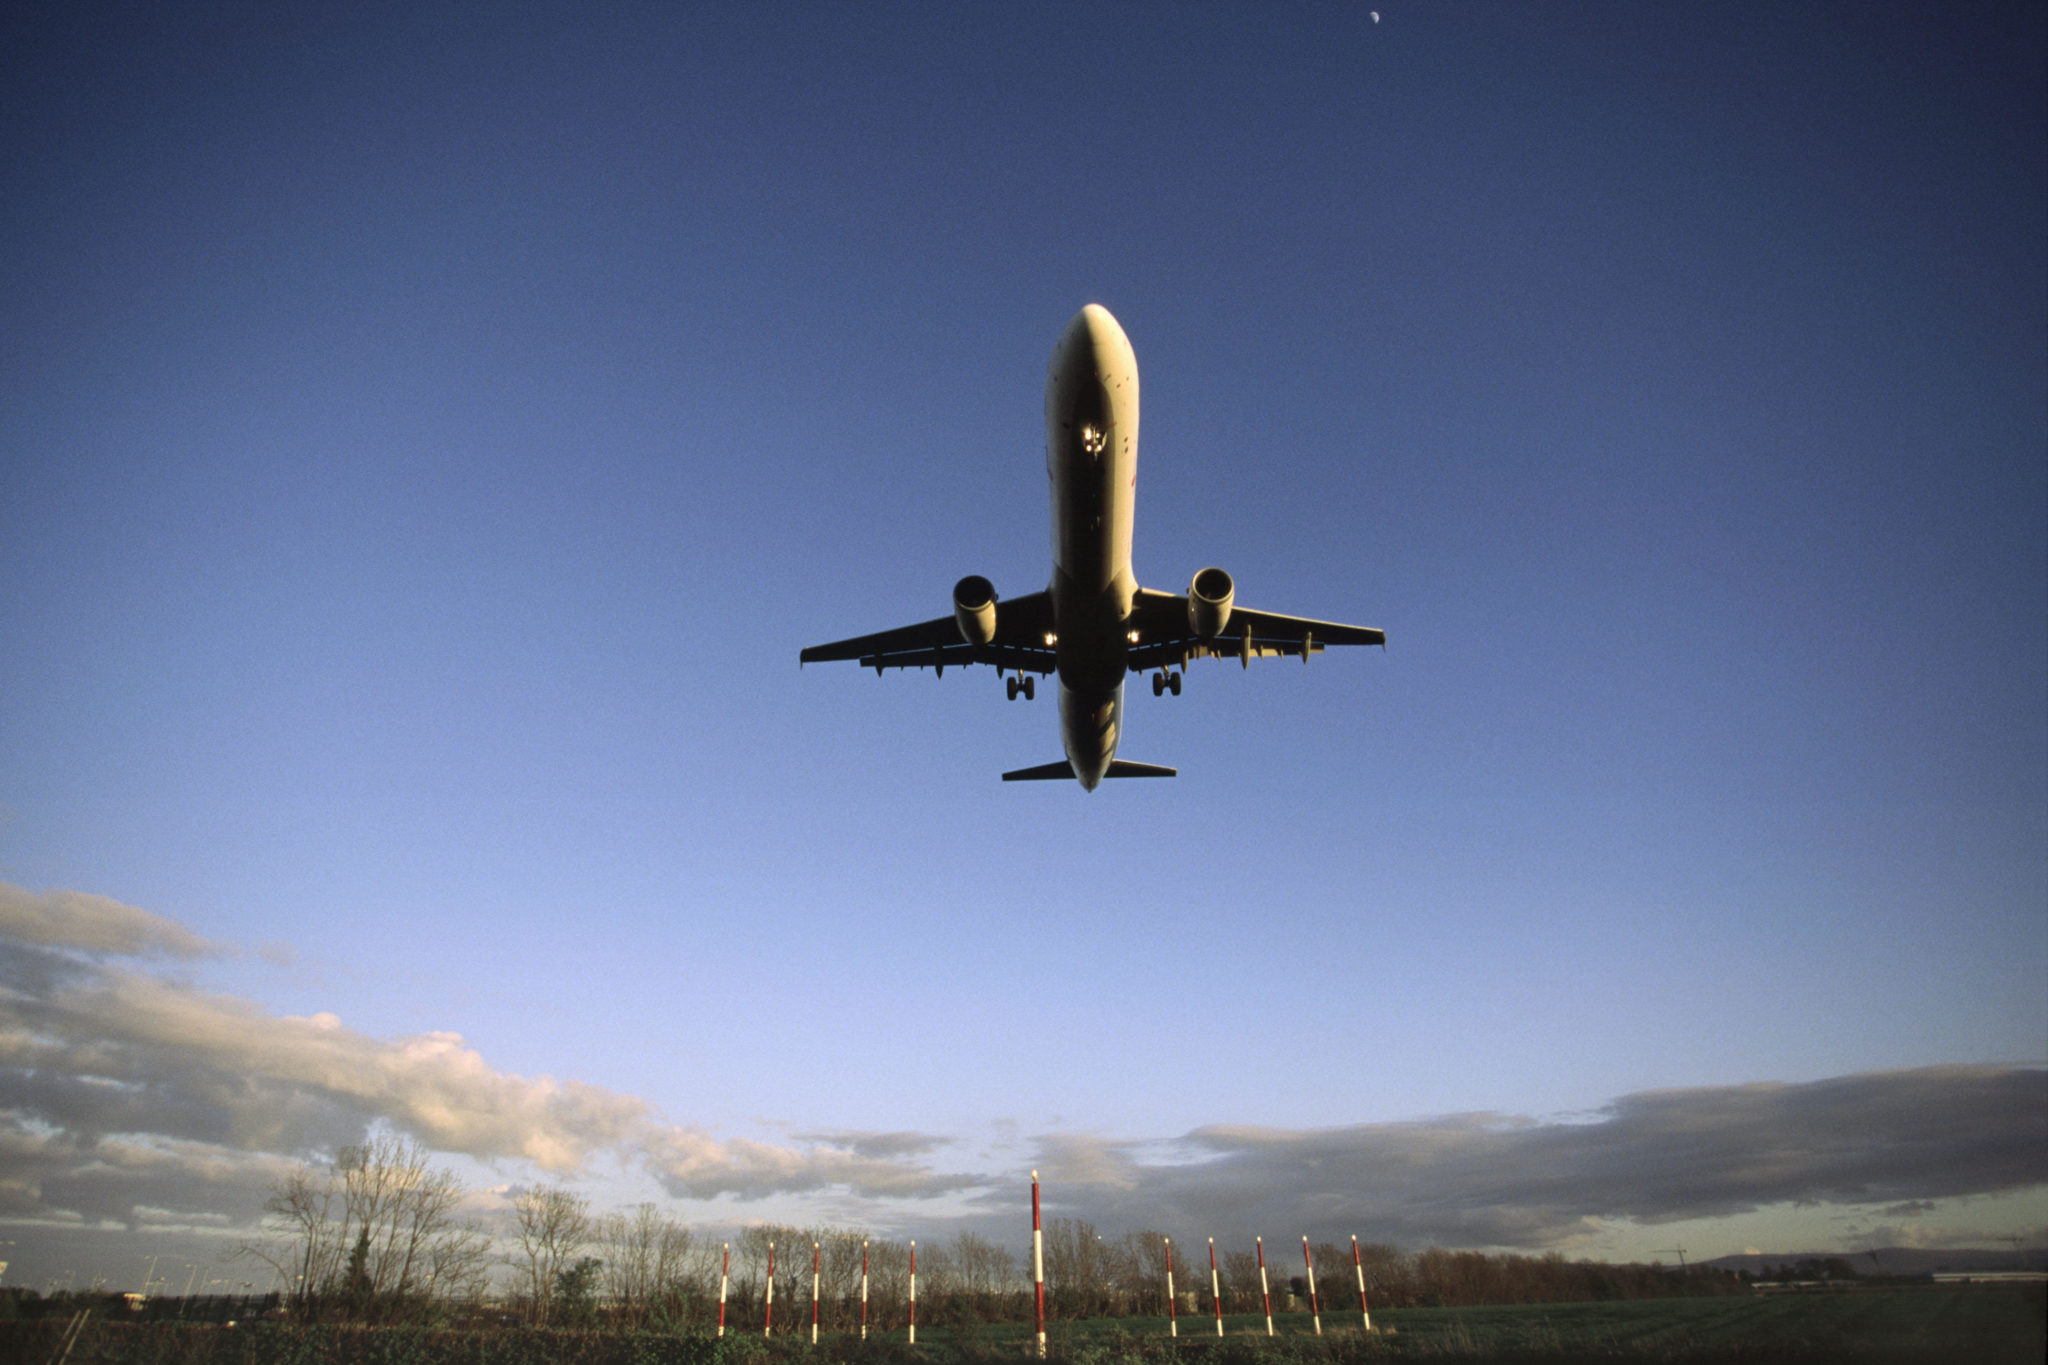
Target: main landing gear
(1028, 686)
(1163, 682)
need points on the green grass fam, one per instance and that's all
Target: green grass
(1981, 1326)
(1975, 1324)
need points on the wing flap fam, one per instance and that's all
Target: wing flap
(1165, 639)
(1021, 627)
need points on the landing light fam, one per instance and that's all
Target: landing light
(1051, 639)
(1134, 637)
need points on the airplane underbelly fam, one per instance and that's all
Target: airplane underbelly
(1091, 722)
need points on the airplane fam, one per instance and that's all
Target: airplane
(1093, 623)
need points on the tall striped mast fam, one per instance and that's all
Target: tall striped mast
(913, 1293)
(724, 1275)
(1359, 1266)
(863, 1291)
(814, 1293)
(1265, 1289)
(768, 1308)
(1172, 1317)
(1038, 1263)
(1314, 1308)
(1215, 1287)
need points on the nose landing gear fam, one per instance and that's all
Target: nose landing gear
(1028, 686)
(1163, 682)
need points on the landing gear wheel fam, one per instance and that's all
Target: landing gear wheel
(1030, 689)
(1010, 686)
(1173, 682)
(1158, 683)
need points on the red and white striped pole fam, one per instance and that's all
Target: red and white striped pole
(724, 1275)
(814, 1293)
(1315, 1309)
(1265, 1289)
(768, 1308)
(913, 1293)
(863, 1291)
(1359, 1266)
(1038, 1263)
(1172, 1317)
(1215, 1287)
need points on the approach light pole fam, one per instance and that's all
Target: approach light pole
(1215, 1287)
(1315, 1309)
(1038, 1264)
(1265, 1288)
(1358, 1265)
(1172, 1315)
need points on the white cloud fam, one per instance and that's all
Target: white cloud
(123, 1092)
(106, 1072)
(93, 924)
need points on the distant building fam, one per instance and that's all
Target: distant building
(1991, 1277)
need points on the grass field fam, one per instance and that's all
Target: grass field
(1974, 1326)
(1960, 1325)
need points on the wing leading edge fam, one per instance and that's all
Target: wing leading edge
(1166, 638)
(1022, 627)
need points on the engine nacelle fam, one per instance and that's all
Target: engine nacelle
(1209, 598)
(974, 608)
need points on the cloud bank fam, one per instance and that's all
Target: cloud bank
(1654, 1157)
(130, 1096)
(126, 1094)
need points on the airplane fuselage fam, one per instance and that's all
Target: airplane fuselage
(1093, 624)
(1091, 456)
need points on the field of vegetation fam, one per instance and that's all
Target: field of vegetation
(383, 1271)
(1992, 1325)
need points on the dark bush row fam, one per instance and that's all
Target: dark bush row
(122, 1343)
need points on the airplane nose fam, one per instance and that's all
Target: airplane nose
(1097, 329)
(1093, 339)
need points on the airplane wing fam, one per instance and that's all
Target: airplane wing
(1022, 624)
(1167, 640)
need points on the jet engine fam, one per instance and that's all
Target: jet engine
(974, 608)
(1209, 599)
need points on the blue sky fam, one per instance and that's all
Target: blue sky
(428, 434)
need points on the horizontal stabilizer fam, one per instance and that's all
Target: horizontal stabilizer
(1119, 768)
(1044, 772)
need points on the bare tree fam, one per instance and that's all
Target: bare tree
(1077, 1274)
(888, 1283)
(1241, 1282)
(375, 1235)
(842, 1247)
(984, 1274)
(645, 1258)
(678, 1270)
(304, 1245)
(554, 1225)
(627, 1243)
(1139, 1271)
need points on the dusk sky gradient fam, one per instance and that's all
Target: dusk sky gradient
(428, 433)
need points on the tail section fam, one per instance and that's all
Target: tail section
(1064, 771)
(1044, 772)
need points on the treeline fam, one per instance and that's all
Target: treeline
(378, 1237)
(1090, 1276)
